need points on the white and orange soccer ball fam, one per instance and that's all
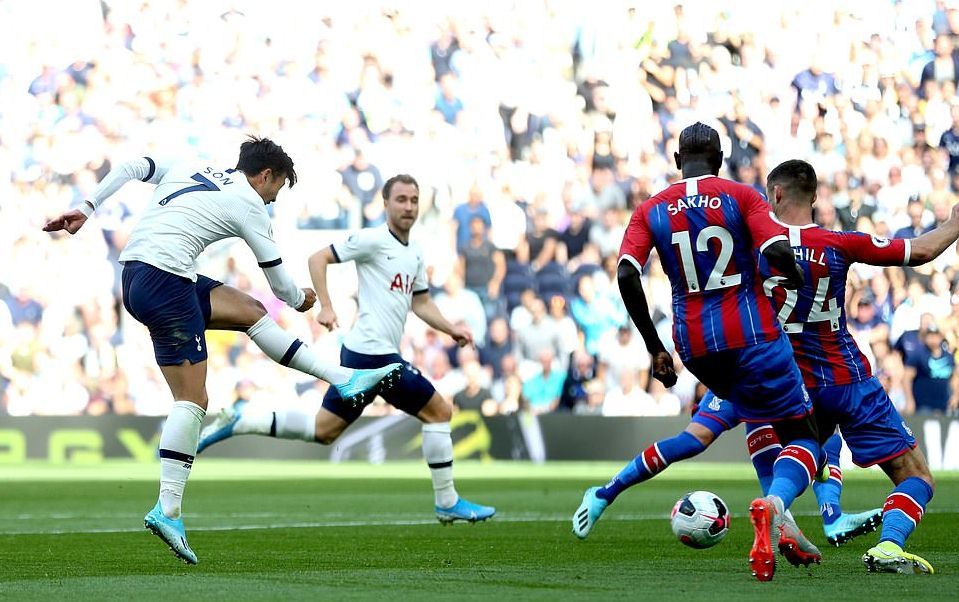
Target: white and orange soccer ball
(700, 519)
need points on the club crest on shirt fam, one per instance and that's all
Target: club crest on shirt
(880, 242)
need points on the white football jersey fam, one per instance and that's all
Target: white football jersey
(193, 206)
(389, 274)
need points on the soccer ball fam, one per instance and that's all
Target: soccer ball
(700, 519)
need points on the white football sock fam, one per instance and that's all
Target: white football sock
(283, 424)
(178, 442)
(254, 422)
(285, 349)
(438, 452)
(291, 424)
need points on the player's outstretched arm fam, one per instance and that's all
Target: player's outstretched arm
(931, 244)
(71, 221)
(631, 287)
(780, 256)
(258, 235)
(144, 169)
(425, 309)
(317, 264)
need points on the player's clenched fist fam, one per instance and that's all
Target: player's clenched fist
(462, 335)
(308, 300)
(327, 317)
(71, 221)
(663, 369)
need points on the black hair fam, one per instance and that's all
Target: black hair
(402, 178)
(257, 154)
(701, 142)
(796, 177)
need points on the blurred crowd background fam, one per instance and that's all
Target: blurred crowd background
(533, 127)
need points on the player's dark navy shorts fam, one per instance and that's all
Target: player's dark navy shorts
(872, 428)
(410, 394)
(175, 309)
(717, 415)
(762, 381)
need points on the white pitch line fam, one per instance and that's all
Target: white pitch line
(410, 522)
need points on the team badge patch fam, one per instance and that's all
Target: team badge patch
(880, 242)
(715, 404)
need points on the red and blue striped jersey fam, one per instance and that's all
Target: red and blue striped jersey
(814, 316)
(706, 231)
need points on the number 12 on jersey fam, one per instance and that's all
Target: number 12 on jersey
(717, 278)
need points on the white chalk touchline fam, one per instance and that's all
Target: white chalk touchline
(407, 522)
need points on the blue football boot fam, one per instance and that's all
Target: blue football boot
(222, 427)
(464, 510)
(848, 526)
(588, 513)
(171, 531)
(365, 384)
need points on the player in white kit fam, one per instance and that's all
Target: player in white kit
(392, 281)
(193, 206)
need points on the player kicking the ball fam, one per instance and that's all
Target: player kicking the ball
(392, 281)
(836, 373)
(195, 205)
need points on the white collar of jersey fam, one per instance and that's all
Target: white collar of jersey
(785, 225)
(393, 234)
(696, 178)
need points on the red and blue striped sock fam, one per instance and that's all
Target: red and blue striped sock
(794, 470)
(764, 448)
(828, 493)
(904, 509)
(651, 462)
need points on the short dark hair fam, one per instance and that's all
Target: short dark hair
(257, 154)
(796, 177)
(402, 178)
(699, 141)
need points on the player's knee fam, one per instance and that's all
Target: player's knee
(254, 310)
(327, 437)
(437, 410)
(701, 433)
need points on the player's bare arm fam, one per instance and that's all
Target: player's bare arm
(931, 244)
(317, 264)
(425, 309)
(631, 287)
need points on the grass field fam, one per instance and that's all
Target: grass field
(323, 531)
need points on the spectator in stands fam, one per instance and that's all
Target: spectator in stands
(498, 345)
(544, 388)
(931, 380)
(539, 336)
(465, 212)
(582, 369)
(483, 268)
(474, 394)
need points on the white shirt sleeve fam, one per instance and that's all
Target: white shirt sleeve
(144, 169)
(257, 231)
(420, 283)
(358, 247)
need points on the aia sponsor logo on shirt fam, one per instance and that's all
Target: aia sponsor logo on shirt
(402, 283)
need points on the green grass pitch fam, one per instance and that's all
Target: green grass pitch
(282, 531)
